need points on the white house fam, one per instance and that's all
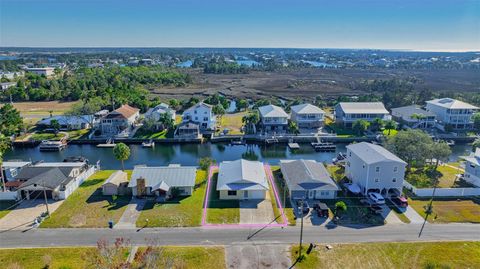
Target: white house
(242, 180)
(451, 112)
(308, 179)
(120, 121)
(67, 122)
(347, 113)
(374, 169)
(156, 113)
(307, 116)
(472, 168)
(7, 85)
(46, 71)
(414, 117)
(273, 118)
(162, 181)
(201, 114)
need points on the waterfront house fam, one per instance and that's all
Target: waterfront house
(154, 114)
(273, 118)
(307, 116)
(346, 113)
(116, 184)
(7, 85)
(201, 114)
(374, 169)
(165, 181)
(45, 71)
(67, 123)
(187, 129)
(57, 180)
(472, 168)
(414, 117)
(242, 180)
(119, 122)
(308, 179)
(451, 113)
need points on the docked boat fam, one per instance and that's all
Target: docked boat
(324, 146)
(148, 144)
(109, 144)
(47, 145)
(341, 157)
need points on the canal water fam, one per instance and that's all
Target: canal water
(189, 154)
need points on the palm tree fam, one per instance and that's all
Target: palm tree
(390, 125)
(166, 120)
(121, 153)
(293, 127)
(249, 120)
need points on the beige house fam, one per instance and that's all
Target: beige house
(116, 184)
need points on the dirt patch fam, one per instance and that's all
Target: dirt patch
(78, 220)
(41, 107)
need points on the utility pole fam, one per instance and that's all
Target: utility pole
(45, 196)
(301, 230)
(3, 178)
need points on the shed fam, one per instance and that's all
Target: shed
(116, 184)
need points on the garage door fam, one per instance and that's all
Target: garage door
(38, 194)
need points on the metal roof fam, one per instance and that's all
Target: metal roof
(451, 103)
(474, 158)
(172, 176)
(307, 109)
(14, 164)
(67, 120)
(363, 107)
(272, 111)
(306, 175)
(370, 153)
(116, 178)
(406, 112)
(242, 175)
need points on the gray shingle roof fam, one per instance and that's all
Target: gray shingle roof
(172, 176)
(32, 171)
(363, 107)
(307, 109)
(242, 175)
(272, 111)
(370, 153)
(406, 112)
(306, 175)
(50, 177)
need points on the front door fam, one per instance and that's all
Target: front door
(311, 194)
(245, 194)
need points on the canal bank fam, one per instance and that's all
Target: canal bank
(189, 154)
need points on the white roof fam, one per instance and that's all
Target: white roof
(370, 153)
(307, 109)
(474, 158)
(61, 164)
(172, 176)
(15, 164)
(242, 175)
(207, 106)
(116, 178)
(363, 107)
(272, 111)
(451, 103)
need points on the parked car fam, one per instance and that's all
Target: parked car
(400, 201)
(376, 209)
(375, 198)
(306, 207)
(321, 209)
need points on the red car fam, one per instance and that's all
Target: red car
(399, 201)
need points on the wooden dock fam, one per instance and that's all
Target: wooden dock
(293, 145)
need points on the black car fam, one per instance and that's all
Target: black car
(306, 207)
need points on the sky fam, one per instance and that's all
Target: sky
(426, 25)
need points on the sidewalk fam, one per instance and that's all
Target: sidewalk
(131, 214)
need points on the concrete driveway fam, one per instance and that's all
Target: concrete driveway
(242, 256)
(131, 214)
(256, 211)
(23, 215)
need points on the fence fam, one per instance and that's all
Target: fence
(442, 192)
(70, 188)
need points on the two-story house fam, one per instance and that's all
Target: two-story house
(201, 114)
(347, 113)
(374, 169)
(414, 117)
(154, 114)
(307, 116)
(273, 118)
(120, 121)
(472, 168)
(453, 113)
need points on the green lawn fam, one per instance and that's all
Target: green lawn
(393, 132)
(87, 207)
(77, 134)
(393, 255)
(277, 178)
(152, 135)
(339, 130)
(46, 136)
(39, 258)
(337, 172)
(233, 122)
(221, 211)
(449, 210)
(189, 257)
(424, 178)
(6, 207)
(180, 212)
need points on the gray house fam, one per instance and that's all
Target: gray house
(414, 117)
(374, 169)
(162, 181)
(307, 116)
(347, 113)
(472, 168)
(273, 118)
(308, 179)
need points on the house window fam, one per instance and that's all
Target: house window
(195, 112)
(326, 193)
(350, 154)
(377, 169)
(232, 193)
(377, 180)
(394, 180)
(205, 119)
(363, 165)
(395, 169)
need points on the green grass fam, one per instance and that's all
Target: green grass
(181, 212)
(46, 136)
(221, 211)
(356, 213)
(190, 257)
(337, 172)
(449, 210)
(6, 207)
(37, 258)
(340, 130)
(233, 122)
(393, 255)
(277, 178)
(87, 207)
(77, 134)
(424, 178)
(393, 132)
(151, 135)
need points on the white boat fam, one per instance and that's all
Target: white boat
(323, 146)
(46, 145)
(149, 144)
(109, 144)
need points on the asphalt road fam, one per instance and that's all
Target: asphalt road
(213, 236)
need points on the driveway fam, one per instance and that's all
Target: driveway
(413, 216)
(390, 216)
(256, 211)
(23, 215)
(131, 214)
(242, 256)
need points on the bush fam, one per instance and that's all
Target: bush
(206, 162)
